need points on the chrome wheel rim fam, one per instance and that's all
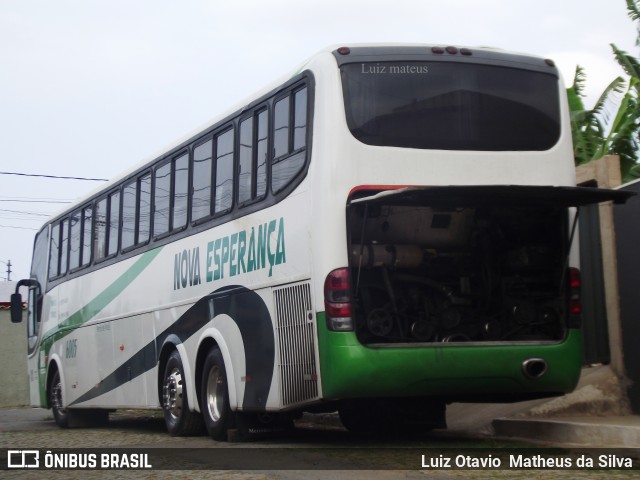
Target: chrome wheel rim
(173, 393)
(214, 393)
(56, 398)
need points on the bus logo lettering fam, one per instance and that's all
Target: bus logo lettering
(233, 254)
(186, 269)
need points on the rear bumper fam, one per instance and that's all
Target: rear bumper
(455, 372)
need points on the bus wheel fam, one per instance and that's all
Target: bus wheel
(60, 414)
(179, 419)
(215, 396)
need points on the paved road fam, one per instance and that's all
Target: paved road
(317, 442)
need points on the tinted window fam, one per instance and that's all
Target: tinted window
(129, 198)
(254, 135)
(162, 199)
(289, 151)
(144, 209)
(245, 157)
(64, 246)
(114, 223)
(300, 119)
(281, 128)
(54, 251)
(451, 106)
(75, 238)
(224, 172)
(262, 152)
(201, 200)
(181, 191)
(87, 216)
(100, 249)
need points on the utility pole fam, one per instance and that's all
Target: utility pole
(8, 264)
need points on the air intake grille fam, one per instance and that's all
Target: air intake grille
(297, 366)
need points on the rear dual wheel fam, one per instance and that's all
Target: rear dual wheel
(214, 401)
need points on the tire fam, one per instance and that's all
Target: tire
(214, 404)
(60, 414)
(179, 419)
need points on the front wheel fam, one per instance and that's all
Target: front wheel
(179, 419)
(60, 414)
(217, 414)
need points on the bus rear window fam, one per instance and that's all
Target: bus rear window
(451, 106)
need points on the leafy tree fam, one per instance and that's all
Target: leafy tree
(612, 125)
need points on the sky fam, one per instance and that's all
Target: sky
(89, 88)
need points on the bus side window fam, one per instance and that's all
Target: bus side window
(54, 251)
(129, 201)
(254, 134)
(262, 153)
(114, 223)
(59, 249)
(100, 239)
(33, 316)
(245, 158)
(75, 239)
(202, 181)
(87, 218)
(289, 138)
(162, 199)
(136, 211)
(144, 209)
(64, 245)
(223, 195)
(180, 191)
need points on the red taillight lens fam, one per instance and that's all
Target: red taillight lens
(575, 306)
(574, 278)
(337, 287)
(337, 300)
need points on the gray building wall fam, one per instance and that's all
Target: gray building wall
(13, 360)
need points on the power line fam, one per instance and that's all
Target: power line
(19, 228)
(23, 212)
(17, 200)
(57, 177)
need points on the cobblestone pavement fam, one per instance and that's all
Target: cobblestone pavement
(34, 428)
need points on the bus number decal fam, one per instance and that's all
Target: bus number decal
(71, 348)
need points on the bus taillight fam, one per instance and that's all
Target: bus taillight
(337, 301)
(575, 306)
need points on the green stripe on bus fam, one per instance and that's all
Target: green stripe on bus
(103, 299)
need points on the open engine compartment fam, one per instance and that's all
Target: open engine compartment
(455, 272)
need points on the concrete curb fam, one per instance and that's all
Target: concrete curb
(599, 432)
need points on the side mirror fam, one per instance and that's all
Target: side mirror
(16, 308)
(16, 299)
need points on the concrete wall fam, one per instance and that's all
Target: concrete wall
(14, 380)
(605, 173)
(627, 222)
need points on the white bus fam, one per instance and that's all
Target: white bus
(388, 230)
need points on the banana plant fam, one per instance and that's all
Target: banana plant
(612, 126)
